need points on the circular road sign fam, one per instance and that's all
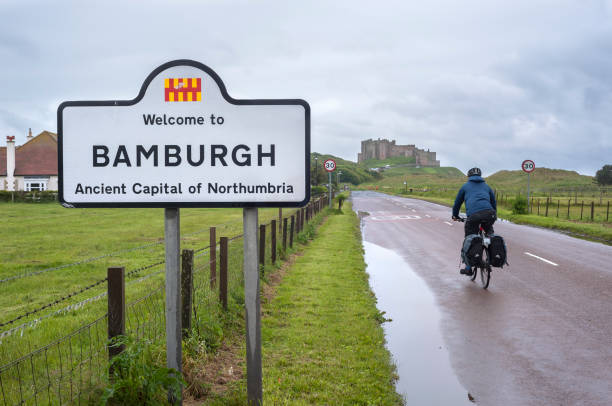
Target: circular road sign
(528, 166)
(329, 165)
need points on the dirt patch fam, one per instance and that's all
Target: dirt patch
(211, 376)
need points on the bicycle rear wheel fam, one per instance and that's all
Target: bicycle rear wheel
(485, 271)
(474, 273)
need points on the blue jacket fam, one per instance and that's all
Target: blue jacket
(477, 195)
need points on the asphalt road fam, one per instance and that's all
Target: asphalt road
(540, 335)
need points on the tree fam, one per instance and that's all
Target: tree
(604, 175)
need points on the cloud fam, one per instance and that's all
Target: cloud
(480, 82)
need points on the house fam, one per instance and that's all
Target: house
(31, 166)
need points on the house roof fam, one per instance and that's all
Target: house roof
(38, 156)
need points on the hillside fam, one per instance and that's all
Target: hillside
(398, 160)
(541, 178)
(421, 177)
(351, 171)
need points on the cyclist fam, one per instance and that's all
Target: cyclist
(480, 207)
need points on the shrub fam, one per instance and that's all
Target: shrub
(519, 205)
(137, 377)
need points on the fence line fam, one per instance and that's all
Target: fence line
(71, 368)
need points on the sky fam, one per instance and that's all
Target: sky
(483, 83)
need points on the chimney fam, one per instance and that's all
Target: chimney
(10, 162)
(29, 134)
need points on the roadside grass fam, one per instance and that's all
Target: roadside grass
(595, 231)
(321, 334)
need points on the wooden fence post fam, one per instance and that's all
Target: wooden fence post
(592, 210)
(280, 218)
(569, 203)
(273, 242)
(116, 308)
(547, 202)
(581, 209)
(538, 206)
(213, 257)
(291, 233)
(285, 235)
(186, 290)
(558, 204)
(223, 271)
(608, 211)
(262, 245)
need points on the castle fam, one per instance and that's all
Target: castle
(383, 149)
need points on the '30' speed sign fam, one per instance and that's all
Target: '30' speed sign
(329, 165)
(528, 166)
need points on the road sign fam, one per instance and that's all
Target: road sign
(184, 142)
(528, 166)
(329, 165)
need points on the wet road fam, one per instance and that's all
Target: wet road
(540, 335)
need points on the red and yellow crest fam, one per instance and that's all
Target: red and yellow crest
(183, 89)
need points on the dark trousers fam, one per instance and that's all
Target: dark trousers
(484, 217)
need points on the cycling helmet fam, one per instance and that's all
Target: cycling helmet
(474, 172)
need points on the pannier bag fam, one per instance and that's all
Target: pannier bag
(472, 250)
(498, 251)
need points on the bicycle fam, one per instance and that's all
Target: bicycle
(484, 265)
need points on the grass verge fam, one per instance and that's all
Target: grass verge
(321, 333)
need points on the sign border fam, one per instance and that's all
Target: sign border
(227, 97)
(335, 165)
(523, 163)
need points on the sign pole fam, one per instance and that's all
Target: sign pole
(330, 191)
(528, 173)
(252, 306)
(173, 292)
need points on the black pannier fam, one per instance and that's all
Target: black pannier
(498, 251)
(471, 252)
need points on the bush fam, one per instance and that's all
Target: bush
(317, 191)
(519, 205)
(28, 197)
(138, 378)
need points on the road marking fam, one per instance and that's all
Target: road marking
(414, 210)
(427, 215)
(450, 224)
(541, 259)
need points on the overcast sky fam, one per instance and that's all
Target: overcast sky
(483, 83)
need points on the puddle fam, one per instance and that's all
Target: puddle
(413, 336)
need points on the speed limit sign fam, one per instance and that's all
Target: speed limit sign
(528, 165)
(329, 165)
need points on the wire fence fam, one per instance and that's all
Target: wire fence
(73, 369)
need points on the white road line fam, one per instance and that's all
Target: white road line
(427, 215)
(541, 259)
(450, 224)
(414, 210)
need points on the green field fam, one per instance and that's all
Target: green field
(60, 257)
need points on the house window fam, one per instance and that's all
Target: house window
(36, 183)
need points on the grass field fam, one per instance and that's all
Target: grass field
(59, 258)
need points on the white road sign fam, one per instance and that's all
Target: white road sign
(528, 166)
(329, 165)
(184, 142)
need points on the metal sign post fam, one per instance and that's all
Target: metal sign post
(330, 166)
(173, 291)
(252, 306)
(528, 166)
(185, 142)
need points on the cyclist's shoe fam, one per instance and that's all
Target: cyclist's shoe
(466, 271)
